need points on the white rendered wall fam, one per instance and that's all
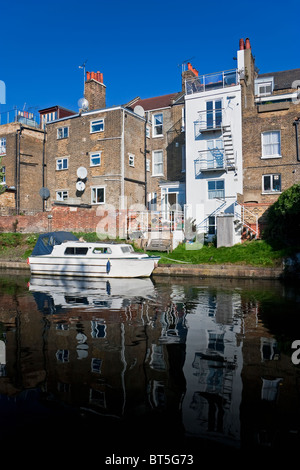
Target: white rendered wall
(198, 204)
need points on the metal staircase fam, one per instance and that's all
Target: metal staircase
(230, 161)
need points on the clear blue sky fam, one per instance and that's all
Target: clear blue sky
(138, 46)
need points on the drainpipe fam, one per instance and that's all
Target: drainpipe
(122, 162)
(17, 169)
(43, 169)
(146, 151)
(296, 122)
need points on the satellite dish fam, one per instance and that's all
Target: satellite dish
(44, 193)
(80, 186)
(81, 172)
(139, 110)
(83, 104)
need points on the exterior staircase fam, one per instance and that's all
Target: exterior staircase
(229, 157)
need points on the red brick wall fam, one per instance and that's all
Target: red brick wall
(63, 218)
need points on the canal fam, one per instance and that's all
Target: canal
(137, 367)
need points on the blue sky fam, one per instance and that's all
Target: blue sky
(138, 46)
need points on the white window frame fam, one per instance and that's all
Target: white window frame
(94, 197)
(94, 155)
(216, 193)
(147, 164)
(131, 159)
(62, 133)
(62, 194)
(98, 125)
(271, 190)
(156, 125)
(265, 146)
(155, 164)
(60, 161)
(3, 146)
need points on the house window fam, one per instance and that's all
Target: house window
(98, 195)
(157, 125)
(148, 131)
(271, 144)
(62, 195)
(62, 164)
(62, 132)
(3, 146)
(97, 126)
(2, 175)
(157, 168)
(211, 225)
(264, 89)
(213, 114)
(216, 189)
(271, 183)
(95, 159)
(131, 160)
(147, 164)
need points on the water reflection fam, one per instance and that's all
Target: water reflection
(151, 365)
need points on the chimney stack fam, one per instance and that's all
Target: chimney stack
(95, 90)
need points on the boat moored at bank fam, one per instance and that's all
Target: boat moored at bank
(61, 253)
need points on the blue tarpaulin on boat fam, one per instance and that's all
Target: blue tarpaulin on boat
(46, 242)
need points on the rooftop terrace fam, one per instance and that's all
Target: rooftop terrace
(16, 115)
(212, 81)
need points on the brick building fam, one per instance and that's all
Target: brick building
(270, 113)
(122, 155)
(22, 146)
(165, 147)
(96, 156)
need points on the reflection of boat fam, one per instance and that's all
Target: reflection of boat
(64, 292)
(61, 253)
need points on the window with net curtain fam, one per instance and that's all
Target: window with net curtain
(271, 144)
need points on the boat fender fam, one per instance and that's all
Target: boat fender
(108, 267)
(28, 261)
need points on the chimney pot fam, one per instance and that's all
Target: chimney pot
(248, 46)
(242, 44)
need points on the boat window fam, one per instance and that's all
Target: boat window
(127, 249)
(101, 250)
(76, 250)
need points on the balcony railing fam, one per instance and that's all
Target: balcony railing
(16, 115)
(208, 121)
(211, 81)
(210, 160)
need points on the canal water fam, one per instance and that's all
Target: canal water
(136, 367)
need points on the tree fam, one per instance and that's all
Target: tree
(283, 219)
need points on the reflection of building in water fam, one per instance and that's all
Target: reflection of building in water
(213, 363)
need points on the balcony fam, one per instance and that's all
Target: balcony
(16, 115)
(208, 121)
(212, 81)
(210, 160)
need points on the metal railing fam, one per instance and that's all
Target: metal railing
(16, 115)
(212, 159)
(212, 81)
(208, 121)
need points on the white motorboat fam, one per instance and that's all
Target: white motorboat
(61, 253)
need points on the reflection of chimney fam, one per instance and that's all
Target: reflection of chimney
(95, 90)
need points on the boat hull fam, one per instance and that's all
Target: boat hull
(92, 267)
